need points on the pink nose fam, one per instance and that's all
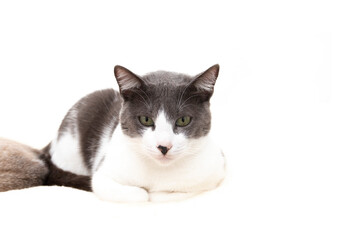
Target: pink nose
(164, 149)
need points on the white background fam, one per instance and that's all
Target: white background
(285, 109)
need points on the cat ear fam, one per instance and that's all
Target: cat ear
(126, 80)
(205, 81)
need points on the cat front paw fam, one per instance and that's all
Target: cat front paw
(128, 194)
(170, 196)
(109, 190)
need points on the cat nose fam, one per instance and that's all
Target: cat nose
(164, 149)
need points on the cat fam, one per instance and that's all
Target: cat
(149, 141)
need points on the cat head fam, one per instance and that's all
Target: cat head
(166, 114)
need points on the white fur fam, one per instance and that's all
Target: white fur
(65, 151)
(106, 188)
(133, 165)
(170, 196)
(65, 154)
(163, 135)
(103, 145)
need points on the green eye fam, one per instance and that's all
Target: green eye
(183, 121)
(146, 121)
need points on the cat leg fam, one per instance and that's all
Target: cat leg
(107, 189)
(170, 196)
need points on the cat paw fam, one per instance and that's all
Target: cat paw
(170, 196)
(127, 194)
(109, 190)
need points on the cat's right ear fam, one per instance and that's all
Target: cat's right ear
(128, 82)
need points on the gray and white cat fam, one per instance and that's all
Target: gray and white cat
(148, 142)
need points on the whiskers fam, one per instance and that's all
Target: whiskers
(179, 152)
(184, 103)
(179, 102)
(143, 100)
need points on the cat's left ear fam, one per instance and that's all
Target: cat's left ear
(127, 80)
(205, 81)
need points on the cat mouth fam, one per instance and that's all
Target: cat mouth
(161, 159)
(164, 159)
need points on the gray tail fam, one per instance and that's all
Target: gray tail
(59, 177)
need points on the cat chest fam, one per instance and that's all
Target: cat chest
(137, 174)
(127, 167)
(196, 176)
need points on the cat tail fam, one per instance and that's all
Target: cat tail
(59, 177)
(21, 166)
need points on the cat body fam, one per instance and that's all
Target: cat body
(148, 141)
(134, 144)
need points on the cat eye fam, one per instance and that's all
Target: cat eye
(146, 121)
(183, 121)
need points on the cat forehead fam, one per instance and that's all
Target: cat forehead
(164, 78)
(164, 90)
(169, 96)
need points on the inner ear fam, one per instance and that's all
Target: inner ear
(128, 81)
(203, 84)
